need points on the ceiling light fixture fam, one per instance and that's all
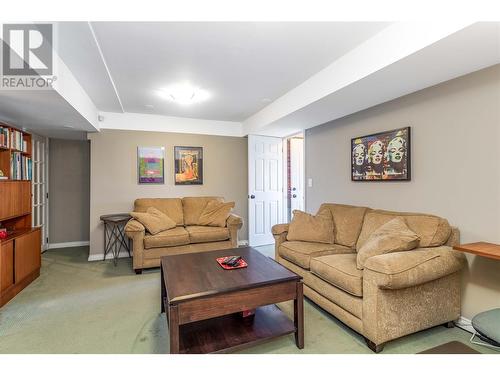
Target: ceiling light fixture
(184, 94)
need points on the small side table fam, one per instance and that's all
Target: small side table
(491, 251)
(114, 235)
(482, 249)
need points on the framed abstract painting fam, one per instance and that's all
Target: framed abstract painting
(188, 165)
(382, 156)
(150, 165)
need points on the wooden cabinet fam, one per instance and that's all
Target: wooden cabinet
(6, 265)
(20, 261)
(20, 252)
(27, 254)
(16, 197)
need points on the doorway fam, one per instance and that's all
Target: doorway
(294, 175)
(265, 188)
(275, 184)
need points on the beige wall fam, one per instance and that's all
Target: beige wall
(69, 186)
(114, 184)
(455, 167)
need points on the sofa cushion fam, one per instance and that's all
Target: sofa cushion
(339, 270)
(347, 222)
(154, 220)
(300, 253)
(391, 237)
(310, 228)
(215, 213)
(172, 207)
(173, 237)
(198, 234)
(193, 207)
(432, 230)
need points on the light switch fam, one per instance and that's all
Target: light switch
(309, 182)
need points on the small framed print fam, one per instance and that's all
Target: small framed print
(382, 156)
(188, 165)
(150, 165)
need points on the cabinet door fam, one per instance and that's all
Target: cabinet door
(27, 254)
(16, 198)
(6, 265)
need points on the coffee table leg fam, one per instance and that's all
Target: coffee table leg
(163, 294)
(298, 316)
(173, 327)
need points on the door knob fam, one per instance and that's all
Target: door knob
(294, 196)
(252, 196)
(294, 189)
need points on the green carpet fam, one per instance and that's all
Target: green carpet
(77, 306)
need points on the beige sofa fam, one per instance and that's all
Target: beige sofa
(395, 294)
(187, 237)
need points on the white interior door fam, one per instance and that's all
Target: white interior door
(39, 182)
(265, 187)
(297, 173)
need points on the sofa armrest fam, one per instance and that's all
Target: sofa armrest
(454, 238)
(279, 229)
(410, 268)
(134, 226)
(136, 231)
(279, 232)
(234, 223)
(234, 220)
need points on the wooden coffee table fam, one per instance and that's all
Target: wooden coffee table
(203, 301)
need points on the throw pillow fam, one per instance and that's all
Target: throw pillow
(215, 213)
(154, 220)
(310, 228)
(391, 237)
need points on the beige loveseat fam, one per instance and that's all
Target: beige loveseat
(395, 294)
(187, 237)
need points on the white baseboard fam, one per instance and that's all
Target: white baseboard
(243, 243)
(60, 245)
(95, 257)
(465, 324)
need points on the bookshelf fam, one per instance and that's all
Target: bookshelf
(20, 257)
(15, 154)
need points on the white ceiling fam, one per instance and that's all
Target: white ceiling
(244, 65)
(265, 78)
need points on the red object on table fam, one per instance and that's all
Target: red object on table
(241, 264)
(3, 234)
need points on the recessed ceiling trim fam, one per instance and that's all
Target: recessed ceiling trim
(106, 66)
(386, 48)
(169, 124)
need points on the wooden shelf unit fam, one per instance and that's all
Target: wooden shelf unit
(6, 152)
(20, 252)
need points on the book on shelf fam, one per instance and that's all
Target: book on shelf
(18, 141)
(21, 167)
(4, 137)
(13, 139)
